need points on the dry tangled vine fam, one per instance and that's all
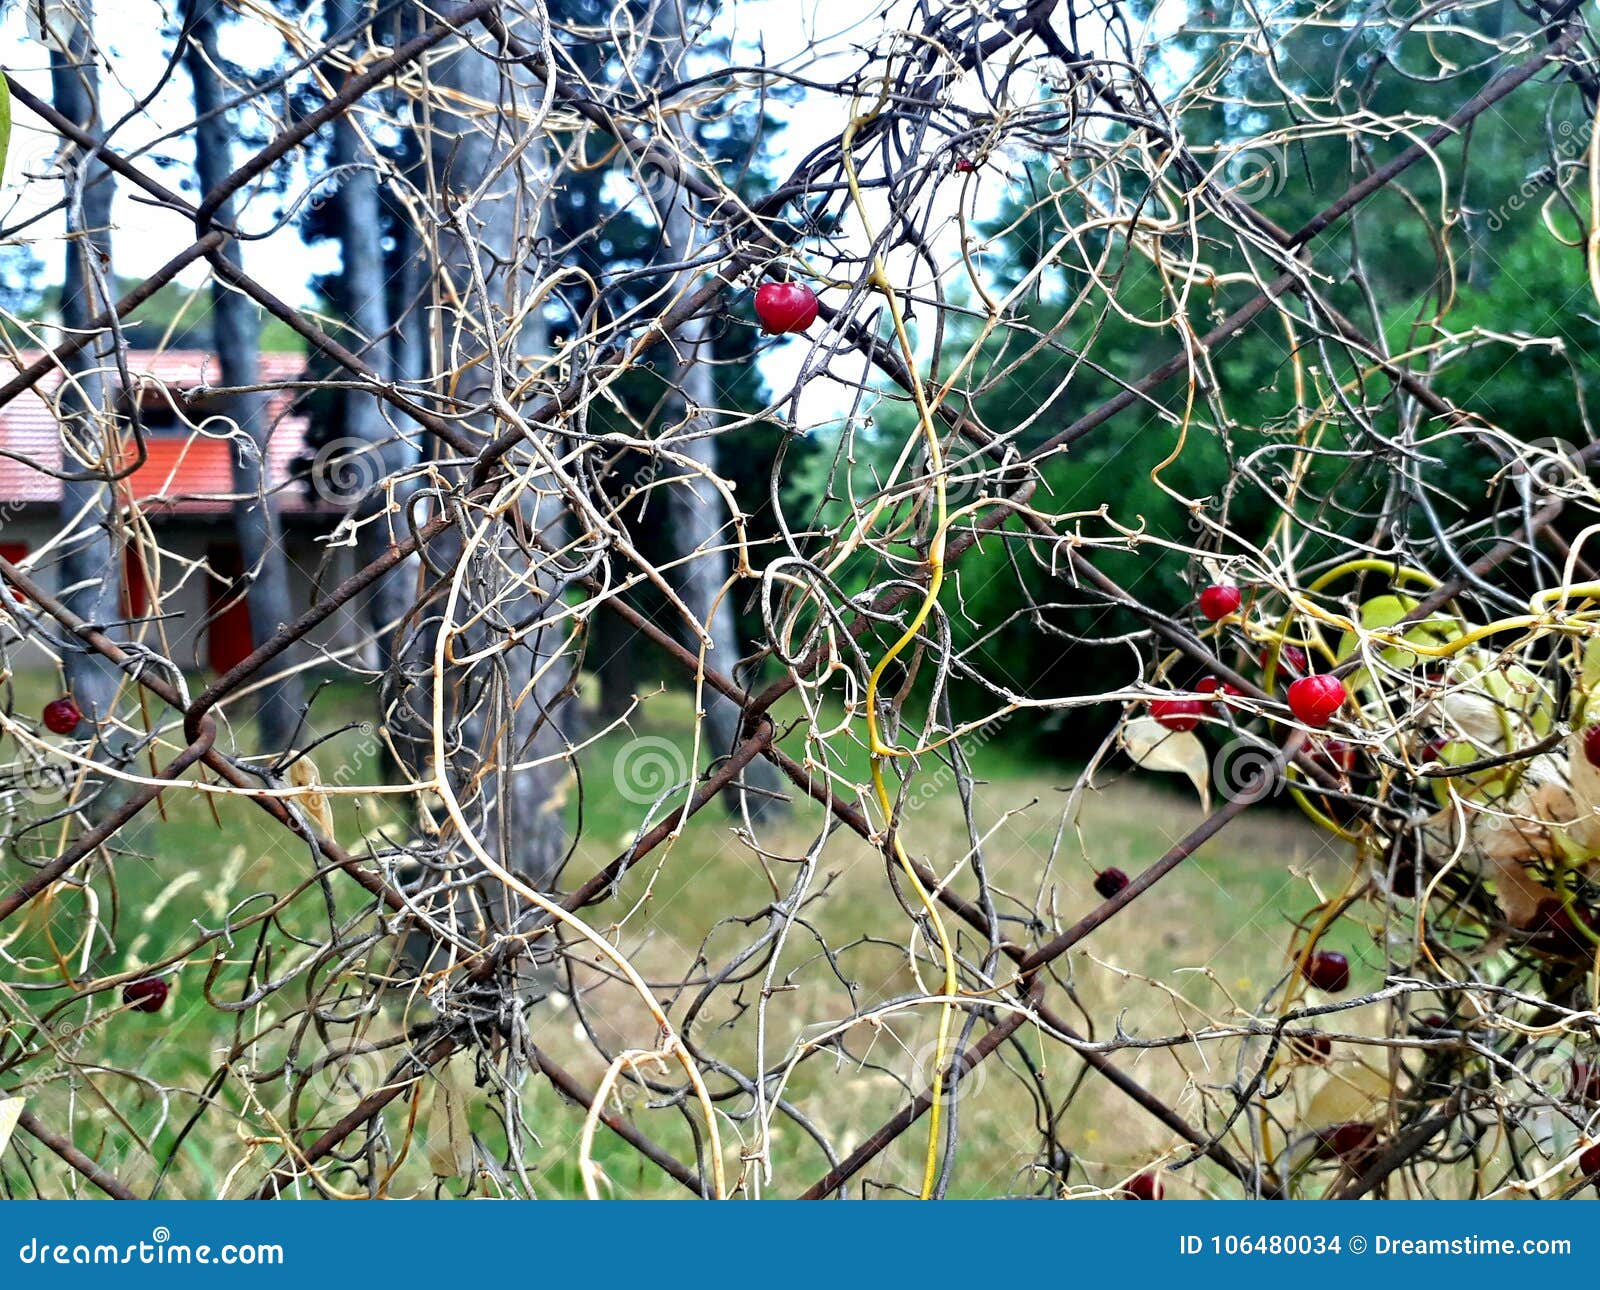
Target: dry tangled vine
(455, 950)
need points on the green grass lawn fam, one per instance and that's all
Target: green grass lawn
(1206, 944)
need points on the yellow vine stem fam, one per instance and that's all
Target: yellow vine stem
(1591, 246)
(1396, 572)
(879, 751)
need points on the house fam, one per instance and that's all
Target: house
(191, 600)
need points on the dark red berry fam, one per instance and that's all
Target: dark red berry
(61, 716)
(1552, 919)
(147, 995)
(1291, 659)
(1177, 714)
(785, 307)
(1336, 753)
(1349, 1140)
(1589, 1161)
(1315, 1048)
(1584, 1081)
(965, 165)
(1591, 745)
(1145, 1186)
(1217, 602)
(1315, 699)
(1217, 690)
(1108, 882)
(1328, 970)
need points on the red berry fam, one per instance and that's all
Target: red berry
(1108, 882)
(1591, 745)
(1553, 919)
(1177, 714)
(1349, 1139)
(1336, 753)
(1328, 970)
(1316, 1048)
(1145, 1186)
(965, 165)
(1584, 1081)
(1314, 699)
(1217, 689)
(147, 995)
(785, 307)
(61, 716)
(1291, 659)
(1589, 1161)
(1219, 601)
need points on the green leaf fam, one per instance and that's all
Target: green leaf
(1382, 612)
(10, 1113)
(5, 124)
(1591, 665)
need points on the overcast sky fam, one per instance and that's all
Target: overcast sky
(133, 31)
(826, 42)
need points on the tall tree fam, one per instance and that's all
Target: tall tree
(505, 702)
(237, 332)
(87, 423)
(698, 523)
(363, 290)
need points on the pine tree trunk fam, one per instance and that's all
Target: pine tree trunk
(86, 505)
(612, 655)
(697, 520)
(697, 517)
(384, 453)
(237, 342)
(510, 707)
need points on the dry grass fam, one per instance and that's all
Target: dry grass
(1210, 938)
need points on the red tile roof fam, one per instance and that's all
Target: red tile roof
(187, 466)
